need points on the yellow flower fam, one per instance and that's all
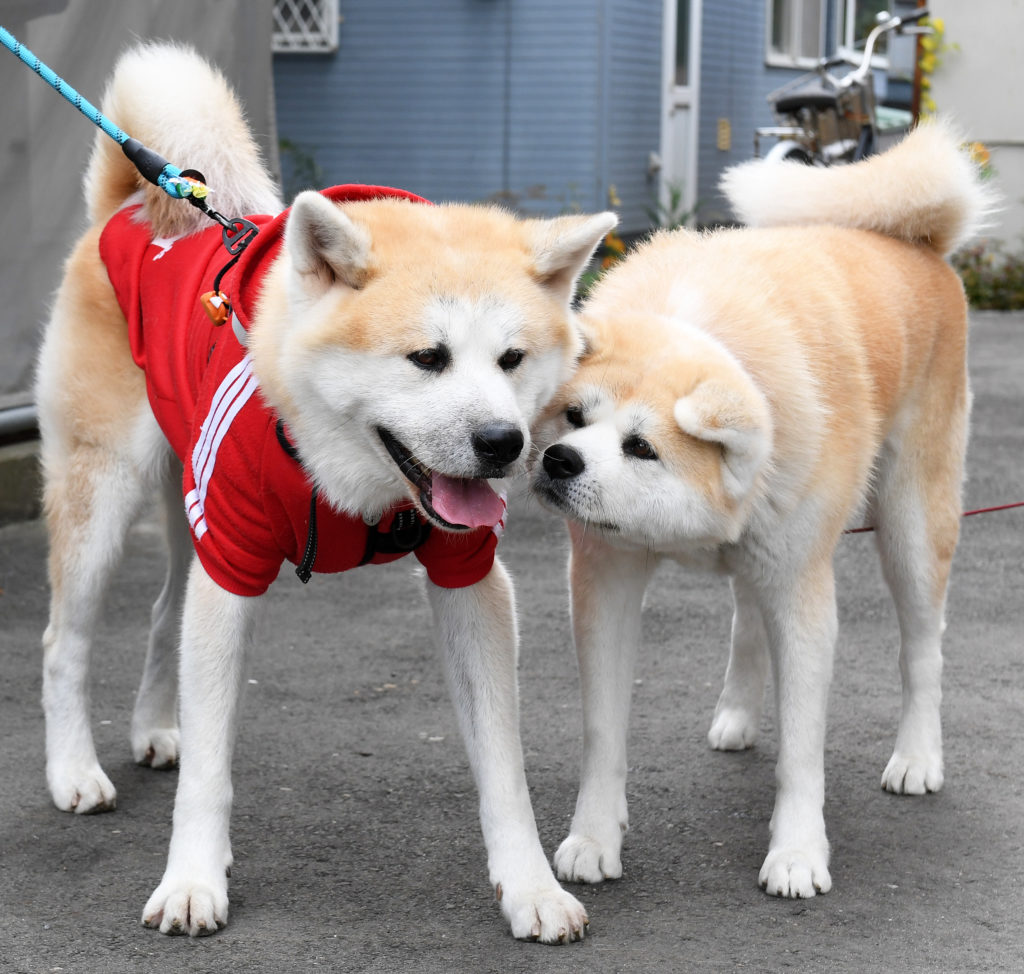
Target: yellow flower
(614, 243)
(979, 153)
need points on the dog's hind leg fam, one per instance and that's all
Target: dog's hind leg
(738, 712)
(917, 516)
(101, 451)
(154, 734)
(89, 508)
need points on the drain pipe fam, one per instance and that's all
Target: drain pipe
(17, 421)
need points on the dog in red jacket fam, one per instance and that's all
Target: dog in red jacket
(381, 361)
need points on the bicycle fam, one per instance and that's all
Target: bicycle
(826, 120)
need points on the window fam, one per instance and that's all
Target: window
(796, 31)
(859, 16)
(682, 76)
(305, 26)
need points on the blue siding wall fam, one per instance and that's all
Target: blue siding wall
(413, 97)
(735, 82)
(633, 84)
(555, 130)
(540, 103)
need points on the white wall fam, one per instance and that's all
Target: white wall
(978, 85)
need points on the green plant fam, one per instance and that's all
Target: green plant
(299, 168)
(993, 277)
(671, 213)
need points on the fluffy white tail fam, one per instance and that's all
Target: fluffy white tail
(175, 103)
(924, 190)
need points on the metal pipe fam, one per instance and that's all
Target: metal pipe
(17, 420)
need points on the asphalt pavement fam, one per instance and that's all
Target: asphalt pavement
(355, 828)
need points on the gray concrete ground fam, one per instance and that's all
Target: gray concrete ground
(355, 833)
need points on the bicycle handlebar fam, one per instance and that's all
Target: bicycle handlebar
(858, 75)
(917, 15)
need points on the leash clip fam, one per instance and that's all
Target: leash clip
(237, 235)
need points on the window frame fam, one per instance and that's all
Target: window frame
(788, 59)
(847, 41)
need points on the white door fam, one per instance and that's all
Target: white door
(679, 104)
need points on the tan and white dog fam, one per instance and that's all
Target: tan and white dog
(399, 350)
(746, 395)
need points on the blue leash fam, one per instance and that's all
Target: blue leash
(180, 184)
(153, 167)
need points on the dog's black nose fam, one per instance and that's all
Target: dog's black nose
(562, 462)
(498, 443)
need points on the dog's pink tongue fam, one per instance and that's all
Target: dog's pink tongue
(468, 502)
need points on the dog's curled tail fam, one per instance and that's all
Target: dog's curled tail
(172, 101)
(924, 190)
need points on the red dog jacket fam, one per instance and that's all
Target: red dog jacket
(248, 499)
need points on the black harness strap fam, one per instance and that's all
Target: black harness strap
(305, 568)
(407, 531)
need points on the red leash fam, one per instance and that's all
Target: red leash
(980, 510)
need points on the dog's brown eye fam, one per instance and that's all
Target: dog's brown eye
(511, 359)
(574, 416)
(430, 359)
(637, 446)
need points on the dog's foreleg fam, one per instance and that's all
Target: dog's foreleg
(738, 712)
(800, 620)
(607, 597)
(477, 633)
(154, 734)
(217, 630)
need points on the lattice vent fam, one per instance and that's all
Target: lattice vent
(305, 26)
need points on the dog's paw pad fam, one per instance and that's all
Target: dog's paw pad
(196, 909)
(157, 748)
(84, 792)
(912, 775)
(733, 729)
(795, 874)
(582, 859)
(550, 916)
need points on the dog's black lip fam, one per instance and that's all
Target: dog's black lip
(417, 474)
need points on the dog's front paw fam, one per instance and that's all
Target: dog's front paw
(733, 729)
(913, 774)
(198, 907)
(83, 789)
(549, 915)
(156, 747)
(795, 873)
(584, 859)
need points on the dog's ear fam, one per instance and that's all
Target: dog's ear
(735, 415)
(561, 248)
(324, 245)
